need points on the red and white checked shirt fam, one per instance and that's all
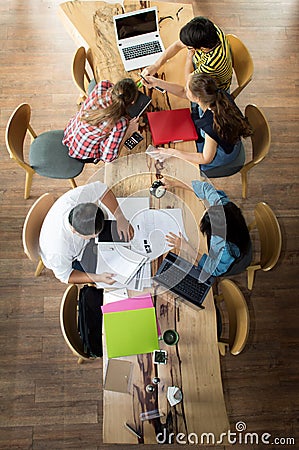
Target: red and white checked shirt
(98, 142)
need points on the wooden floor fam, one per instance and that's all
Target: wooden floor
(47, 400)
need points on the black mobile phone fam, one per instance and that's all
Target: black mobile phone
(133, 140)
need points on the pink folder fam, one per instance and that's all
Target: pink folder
(131, 304)
(173, 125)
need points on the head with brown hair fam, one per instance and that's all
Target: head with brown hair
(123, 93)
(228, 122)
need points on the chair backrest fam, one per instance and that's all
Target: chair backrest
(238, 315)
(16, 130)
(269, 234)
(68, 321)
(261, 137)
(33, 223)
(79, 72)
(242, 63)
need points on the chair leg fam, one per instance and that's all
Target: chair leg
(39, 268)
(244, 184)
(222, 347)
(250, 276)
(73, 183)
(80, 361)
(28, 183)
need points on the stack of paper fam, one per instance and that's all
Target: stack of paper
(121, 261)
(130, 326)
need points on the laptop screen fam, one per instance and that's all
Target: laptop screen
(136, 24)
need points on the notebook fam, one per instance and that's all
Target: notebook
(138, 38)
(181, 277)
(118, 375)
(173, 125)
(137, 108)
(121, 261)
(131, 332)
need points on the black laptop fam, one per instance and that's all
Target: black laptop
(182, 278)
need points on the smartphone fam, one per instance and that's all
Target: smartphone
(133, 140)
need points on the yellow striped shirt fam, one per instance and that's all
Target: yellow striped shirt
(217, 62)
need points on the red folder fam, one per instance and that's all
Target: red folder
(173, 125)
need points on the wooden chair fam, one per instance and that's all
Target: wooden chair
(47, 156)
(270, 240)
(260, 141)
(242, 63)
(32, 227)
(69, 324)
(238, 317)
(84, 82)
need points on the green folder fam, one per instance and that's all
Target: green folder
(131, 332)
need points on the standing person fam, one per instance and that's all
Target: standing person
(98, 131)
(71, 222)
(220, 126)
(208, 52)
(223, 225)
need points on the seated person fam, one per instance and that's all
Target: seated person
(208, 52)
(71, 222)
(101, 126)
(228, 239)
(220, 127)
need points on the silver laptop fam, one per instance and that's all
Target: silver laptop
(138, 38)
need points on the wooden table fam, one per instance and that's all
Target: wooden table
(194, 362)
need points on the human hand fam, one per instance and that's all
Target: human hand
(124, 229)
(104, 277)
(161, 153)
(173, 240)
(150, 70)
(133, 126)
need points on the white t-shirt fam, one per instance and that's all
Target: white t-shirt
(59, 246)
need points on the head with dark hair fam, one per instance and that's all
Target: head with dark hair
(123, 93)
(228, 121)
(200, 32)
(87, 219)
(226, 221)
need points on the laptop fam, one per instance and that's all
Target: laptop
(181, 277)
(109, 235)
(138, 38)
(172, 125)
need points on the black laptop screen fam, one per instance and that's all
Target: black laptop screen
(136, 25)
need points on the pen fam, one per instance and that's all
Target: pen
(155, 87)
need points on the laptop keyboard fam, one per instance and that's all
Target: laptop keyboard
(172, 277)
(136, 51)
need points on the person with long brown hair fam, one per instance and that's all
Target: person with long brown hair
(219, 122)
(101, 126)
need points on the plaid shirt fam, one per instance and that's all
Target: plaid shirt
(97, 142)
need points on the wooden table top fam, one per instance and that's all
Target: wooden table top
(193, 363)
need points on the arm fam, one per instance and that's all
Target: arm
(169, 53)
(189, 67)
(78, 277)
(207, 156)
(123, 226)
(173, 88)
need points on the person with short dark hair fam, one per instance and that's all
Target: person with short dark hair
(224, 226)
(102, 125)
(208, 52)
(74, 219)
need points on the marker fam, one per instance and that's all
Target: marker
(155, 87)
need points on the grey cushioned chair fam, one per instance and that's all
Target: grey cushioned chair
(83, 80)
(47, 156)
